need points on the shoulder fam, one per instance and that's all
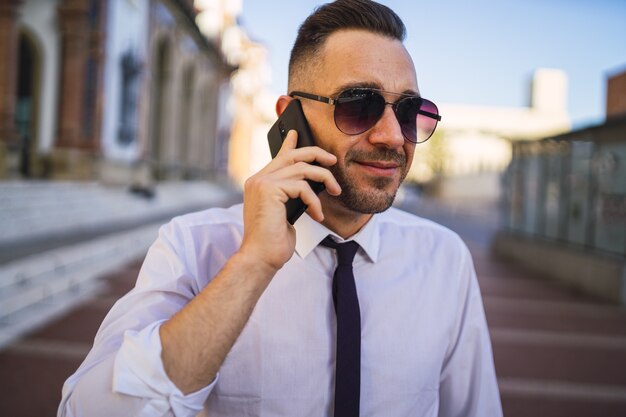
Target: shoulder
(425, 247)
(214, 224)
(202, 241)
(210, 217)
(394, 221)
(408, 232)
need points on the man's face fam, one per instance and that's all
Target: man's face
(372, 165)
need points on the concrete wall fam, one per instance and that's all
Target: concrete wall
(603, 276)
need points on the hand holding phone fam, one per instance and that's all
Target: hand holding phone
(293, 118)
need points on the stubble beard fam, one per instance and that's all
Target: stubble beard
(380, 193)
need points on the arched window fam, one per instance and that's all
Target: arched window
(26, 100)
(129, 95)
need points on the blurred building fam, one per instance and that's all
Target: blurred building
(251, 102)
(616, 95)
(117, 90)
(565, 203)
(254, 114)
(472, 145)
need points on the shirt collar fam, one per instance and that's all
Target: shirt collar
(310, 233)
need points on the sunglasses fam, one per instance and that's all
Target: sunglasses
(359, 109)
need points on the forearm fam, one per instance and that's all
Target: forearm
(197, 339)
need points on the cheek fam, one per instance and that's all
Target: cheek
(335, 142)
(345, 149)
(322, 126)
(409, 150)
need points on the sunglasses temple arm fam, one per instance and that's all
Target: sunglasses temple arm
(312, 97)
(429, 114)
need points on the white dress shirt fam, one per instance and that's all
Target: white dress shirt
(425, 345)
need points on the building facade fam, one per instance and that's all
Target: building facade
(473, 144)
(564, 209)
(121, 91)
(616, 95)
(571, 188)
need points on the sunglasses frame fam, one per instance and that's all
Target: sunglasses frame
(394, 105)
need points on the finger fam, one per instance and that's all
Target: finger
(290, 142)
(292, 154)
(288, 154)
(306, 171)
(302, 190)
(310, 154)
(314, 205)
(288, 157)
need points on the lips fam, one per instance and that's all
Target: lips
(379, 168)
(379, 164)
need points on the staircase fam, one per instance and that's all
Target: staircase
(58, 239)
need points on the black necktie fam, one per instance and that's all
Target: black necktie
(348, 362)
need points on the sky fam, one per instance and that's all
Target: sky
(481, 52)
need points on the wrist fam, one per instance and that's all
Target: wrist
(254, 263)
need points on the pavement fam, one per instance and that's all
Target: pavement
(557, 353)
(34, 367)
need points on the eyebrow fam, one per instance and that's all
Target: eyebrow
(373, 86)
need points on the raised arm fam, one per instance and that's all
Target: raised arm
(198, 338)
(194, 339)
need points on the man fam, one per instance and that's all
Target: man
(238, 313)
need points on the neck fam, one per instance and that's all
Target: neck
(342, 220)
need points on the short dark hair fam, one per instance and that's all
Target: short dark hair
(342, 14)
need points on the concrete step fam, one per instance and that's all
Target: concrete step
(59, 239)
(38, 315)
(33, 287)
(31, 211)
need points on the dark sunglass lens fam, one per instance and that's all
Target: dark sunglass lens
(406, 111)
(417, 117)
(427, 119)
(357, 110)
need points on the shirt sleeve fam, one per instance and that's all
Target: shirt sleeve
(138, 372)
(468, 384)
(123, 374)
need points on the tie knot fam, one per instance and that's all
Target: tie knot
(345, 251)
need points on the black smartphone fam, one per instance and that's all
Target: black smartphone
(293, 119)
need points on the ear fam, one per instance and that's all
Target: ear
(282, 103)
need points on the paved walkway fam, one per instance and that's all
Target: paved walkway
(557, 353)
(34, 368)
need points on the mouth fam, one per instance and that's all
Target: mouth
(382, 168)
(377, 163)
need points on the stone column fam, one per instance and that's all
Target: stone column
(73, 22)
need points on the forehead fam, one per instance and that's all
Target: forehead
(357, 57)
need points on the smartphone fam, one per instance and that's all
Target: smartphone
(293, 119)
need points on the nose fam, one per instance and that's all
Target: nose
(386, 132)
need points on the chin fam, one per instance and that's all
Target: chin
(366, 195)
(368, 201)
